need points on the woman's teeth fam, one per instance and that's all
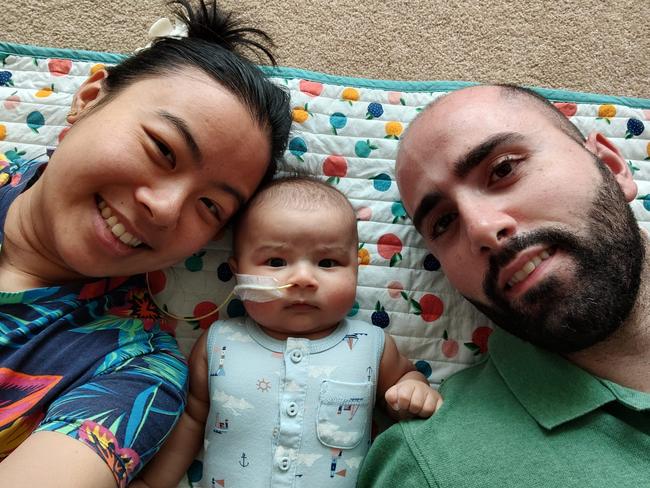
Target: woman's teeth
(528, 268)
(116, 227)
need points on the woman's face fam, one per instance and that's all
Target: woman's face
(147, 178)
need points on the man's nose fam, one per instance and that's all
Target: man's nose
(303, 276)
(487, 226)
(163, 201)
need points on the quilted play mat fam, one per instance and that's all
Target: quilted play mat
(346, 131)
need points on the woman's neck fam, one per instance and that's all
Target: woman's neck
(26, 263)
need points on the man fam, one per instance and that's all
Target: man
(531, 224)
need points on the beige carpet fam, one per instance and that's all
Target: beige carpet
(600, 46)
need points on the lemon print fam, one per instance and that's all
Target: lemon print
(3, 132)
(4, 178)
(393, 130)
(607, 110)
(96, 67)
(350, 95)
(363, 256)
(45, 92)
(300, 114)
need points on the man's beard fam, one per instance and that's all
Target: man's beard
(569, 315)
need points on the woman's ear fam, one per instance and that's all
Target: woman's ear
(232, 262)
(88, 94)
(608, 153)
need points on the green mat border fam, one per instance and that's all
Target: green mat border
(7, 48)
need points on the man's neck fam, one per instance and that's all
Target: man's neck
(623, 357)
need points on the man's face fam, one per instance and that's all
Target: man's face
(521, 218)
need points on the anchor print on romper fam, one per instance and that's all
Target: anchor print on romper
(353, 338)
(220, 426)
(221, 371)
(336, 456)
(243, 461)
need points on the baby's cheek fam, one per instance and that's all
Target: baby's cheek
(260, 312)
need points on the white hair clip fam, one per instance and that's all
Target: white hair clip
(259, 288)
(164, 27)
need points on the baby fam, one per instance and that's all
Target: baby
(284, 397)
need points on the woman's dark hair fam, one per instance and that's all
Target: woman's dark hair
(213, 45)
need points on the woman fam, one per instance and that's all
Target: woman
(163, 149)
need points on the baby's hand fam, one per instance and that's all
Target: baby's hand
(410, 397)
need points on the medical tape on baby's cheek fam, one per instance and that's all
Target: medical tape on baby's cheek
(258, 288)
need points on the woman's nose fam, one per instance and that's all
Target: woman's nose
(163, 203)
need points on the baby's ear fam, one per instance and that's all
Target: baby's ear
(232, 262)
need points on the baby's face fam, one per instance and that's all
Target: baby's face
(316, 251)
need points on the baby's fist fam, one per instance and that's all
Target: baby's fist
(410, 398)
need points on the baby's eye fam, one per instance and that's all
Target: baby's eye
(276, 262)
(441, 225)
(212, 207)
(166, 152)
(328, 263)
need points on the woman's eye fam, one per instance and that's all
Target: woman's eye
(166, 152)
(276, 262)
(214, 209)
(327, 263)
(441, 225)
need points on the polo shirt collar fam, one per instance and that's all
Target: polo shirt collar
(550, 388)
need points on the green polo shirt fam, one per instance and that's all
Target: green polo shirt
(524, 417)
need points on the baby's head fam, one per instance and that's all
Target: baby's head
(302, 232)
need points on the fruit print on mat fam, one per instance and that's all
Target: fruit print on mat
(375, 110)
(311, 88)
(634, 128)
(350, 95)
(382, 182)
(430, 307)
(480, 336)
(35, 121)
(59, 67)
(380, 317)
(335, 167)
(338, 120)
(389, 246)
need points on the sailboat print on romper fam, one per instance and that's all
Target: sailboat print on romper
(353, 338)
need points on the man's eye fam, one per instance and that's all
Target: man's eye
(276, 262)
(503, 169)
(441, 225)
(212, 207)
(327, 263)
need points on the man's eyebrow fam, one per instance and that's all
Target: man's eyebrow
(426, 205)
(181, 126)
(477, 154)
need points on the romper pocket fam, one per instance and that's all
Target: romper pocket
(343, 413)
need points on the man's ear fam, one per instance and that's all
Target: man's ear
(609, 154)
(232, 262)
(87, 96)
